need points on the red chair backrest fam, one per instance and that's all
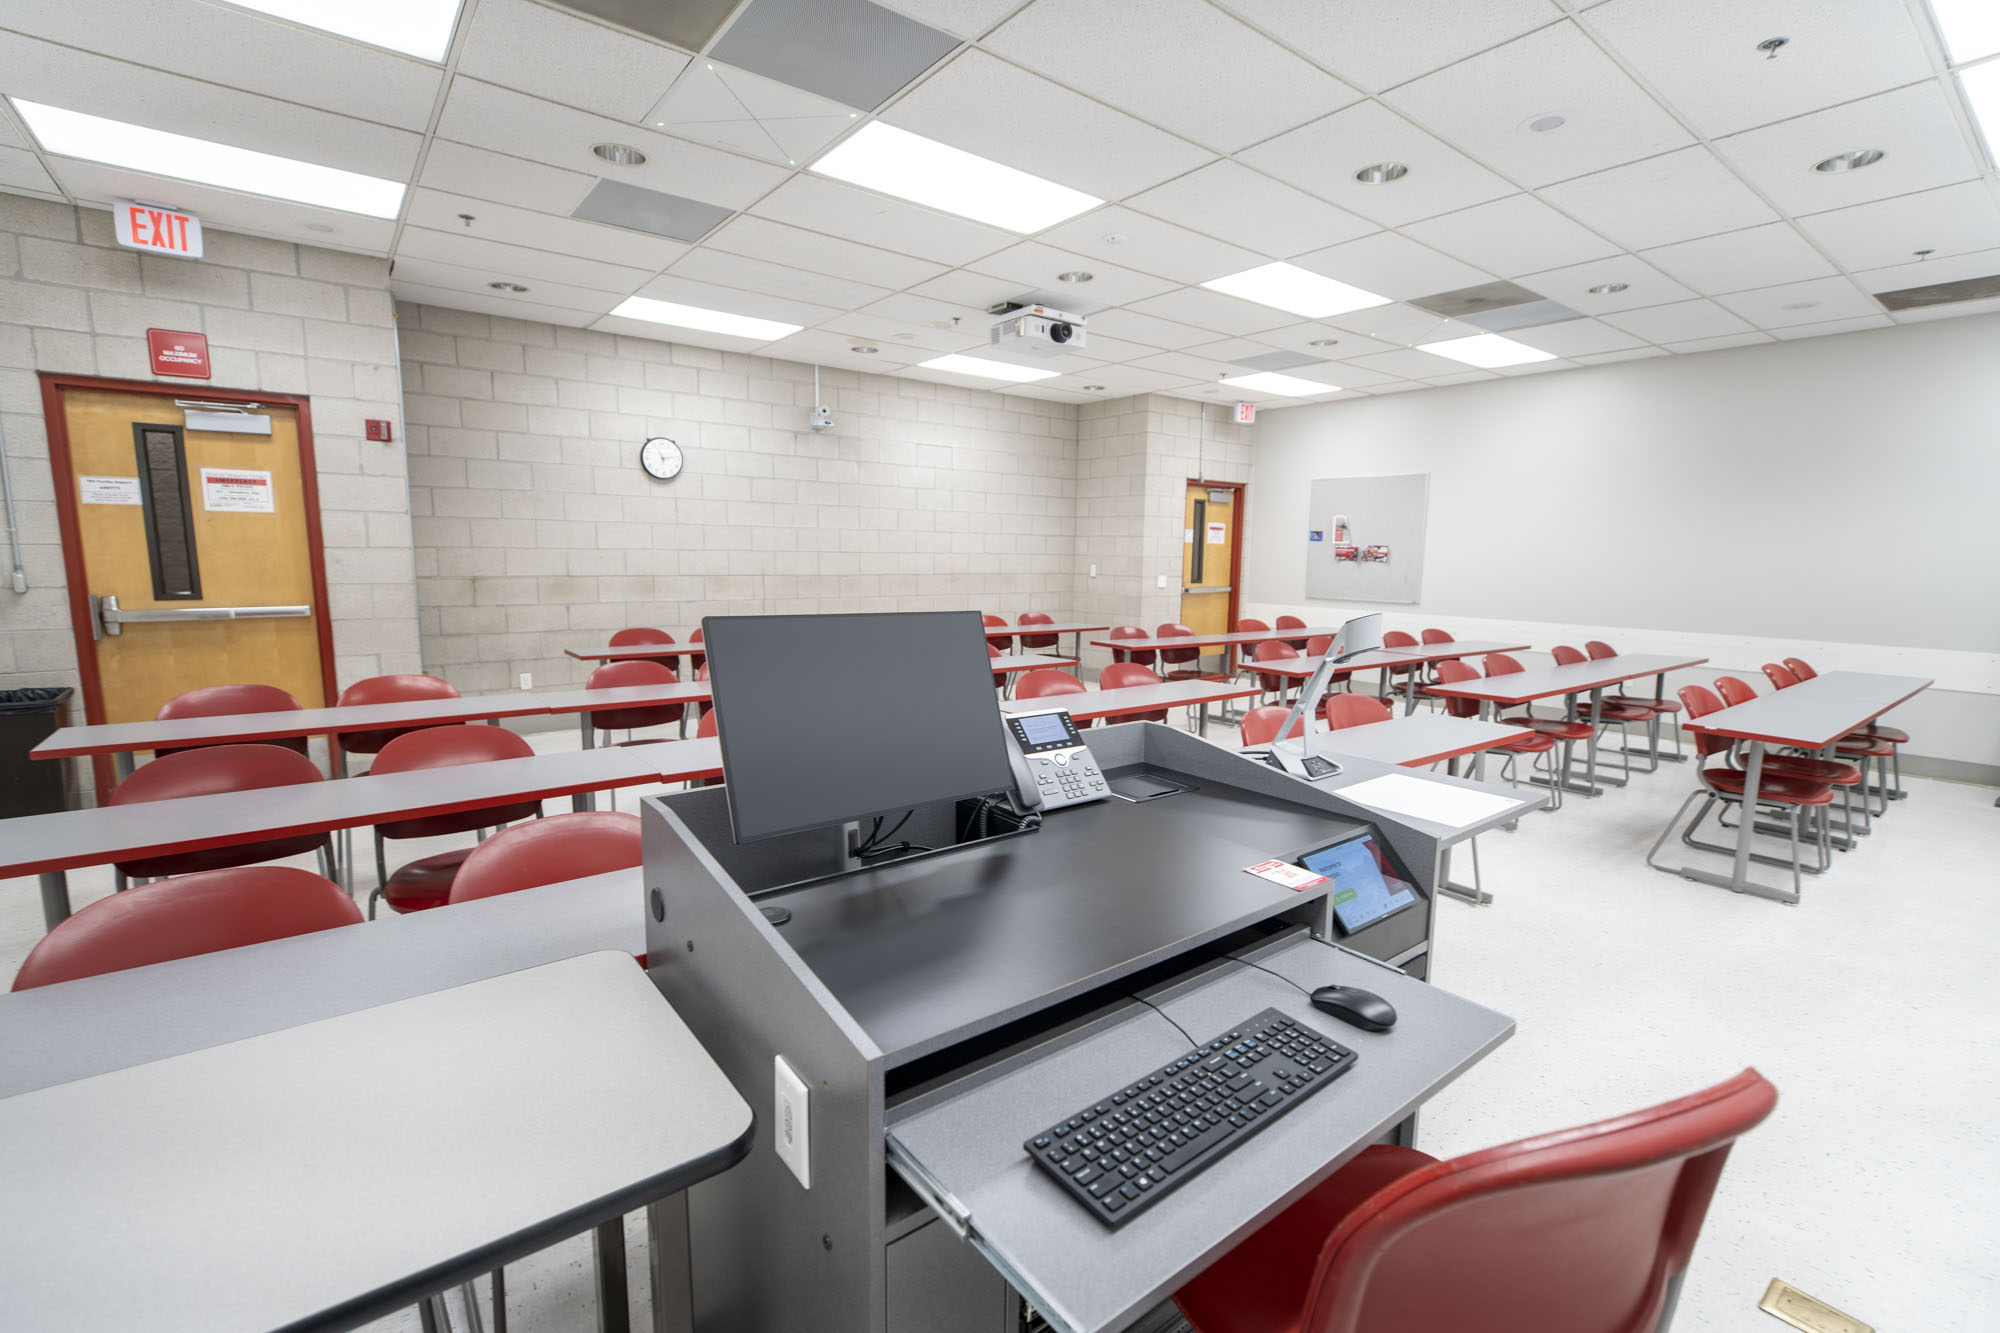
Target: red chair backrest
(638, 671)
(1143, 656)
(225, 700)
(1355, 710)
(1396, 638)
(388, 690)
(1176, 631)
(1318, 645)
(997, 622)
(1290, 622)
(1437, 636)
(1457, 673)
(1734, 691)
(1566, 655)
(1260, 725)
(215, 768)
(626, 638)
(447, 747)
(1779, 677)
(699, 659)
(1499, 664)
(1124, 675)
(179, 918)
(705, 727)
(547, 851)
(1037, 640)
(1272, 650)
(1798, 667)
(1248, 626)
(1042, 684)
(1581, 1231)
(1700, 702)
(1598, 648)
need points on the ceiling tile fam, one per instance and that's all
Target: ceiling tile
(1300, 338)
(830, 347)
(1721, 342)
(757, 275)
(500, 262)
(1181, 64)
(479, 173)
(1812, 302)
(1116, 349)
(1033, 267)
(220, 44)
(1855, 325)
(1953, 268)
(20, 170)
(1401, 324)
(619, 203)
(665, 333)
(440, 211)
(904, 320)
(983, 105)
(1352, 375)
(1230, 201)
(1644, 285)
(1605, 358)
(1377, 45)
(1213, 310)
(741, 112)
(1121, 381)
(1575, 336)
(1954, 220)
(1739, 260)
(1409, 363)
(970, 294)
(1150, 245)
(1485, 106)
(1702, 55)
(847, 212)
(849, 50)
(80, 81)
(1390, 264)
(1150, 330)
(688, 24)
(1461, 376)
(1197, 369)
(759, 305)
(487, 303)
(508, 122)
(966, 18)
(1914, 128)
(1322, 158)
(1674, 197)
(1512, 236)
(760, 238)
(1679, 321)
(566, 58)
(456, 277)
(226, 210)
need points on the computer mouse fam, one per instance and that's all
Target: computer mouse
(1357, 1007)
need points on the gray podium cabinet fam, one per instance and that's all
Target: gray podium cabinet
(942, 1010)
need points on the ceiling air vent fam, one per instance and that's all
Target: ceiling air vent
(1496, 307)
(1941, 293)
(639, 209)
(1280, 361)
(686, 23)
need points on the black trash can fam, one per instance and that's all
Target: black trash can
(33, 786)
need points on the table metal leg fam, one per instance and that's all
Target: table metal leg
(121, 764)
(584, 800)
(673, 1287)
(1201, 720)
(1738, 880)
(614, 1312)
(55, 898)
(1471, 893)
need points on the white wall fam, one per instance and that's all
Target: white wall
(1832, 498)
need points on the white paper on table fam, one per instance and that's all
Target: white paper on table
(1437, 802)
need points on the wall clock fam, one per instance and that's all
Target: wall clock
(661, 458)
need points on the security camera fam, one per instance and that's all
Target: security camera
(1039, 329)
(821, 418)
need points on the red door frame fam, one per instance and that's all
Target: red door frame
(1235, 547)
(70, 523)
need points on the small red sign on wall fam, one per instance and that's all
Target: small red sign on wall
(176, 353)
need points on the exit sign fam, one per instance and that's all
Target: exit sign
(157, 230)
(1246, 413)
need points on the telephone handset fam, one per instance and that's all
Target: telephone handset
(1052, 766)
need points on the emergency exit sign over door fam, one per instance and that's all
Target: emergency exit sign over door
(156, 230)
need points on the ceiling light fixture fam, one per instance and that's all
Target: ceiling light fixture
(1607, 289)
(989, 370)
(708, 321)
(1115, 238)
(1299, 291)
(158, 153)
(1799, 305)
(1284, 386)
(1075, 275)
(1542, 124)
(1382, 173)
(1970, 28)
(619, 154)
(864, 349)
(1770, 46)
(924, 171)
(420, 28)
(1860, 157)
(506, 286)
(1488, 351)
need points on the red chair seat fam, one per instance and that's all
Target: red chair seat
(1866, 747)
(1828, 771)
(424, 884)
(1562, 731)
(460, 821)
(1539, 743)
(1876, 731)
(222, 858)
(1774, 787)
(1616, 712)
(1646, 702)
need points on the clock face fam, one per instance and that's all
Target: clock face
(661, 458)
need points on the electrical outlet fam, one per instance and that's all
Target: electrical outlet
(1163, 580)
(791, 1132)
(527, 680)
(1093, 571)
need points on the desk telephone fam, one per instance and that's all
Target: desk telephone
(1052, 766)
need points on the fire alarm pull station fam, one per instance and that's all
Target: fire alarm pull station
(378, 430)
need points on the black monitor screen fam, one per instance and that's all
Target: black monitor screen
(824, 719)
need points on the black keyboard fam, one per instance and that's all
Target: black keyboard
(1120, 1155)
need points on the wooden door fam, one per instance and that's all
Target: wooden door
(211, 536)
(1208, 557)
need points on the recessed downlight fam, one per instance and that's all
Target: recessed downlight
(1075, 275)
(1799, 305)
(619, 154)
(864, 349)
(1860, 157)
(1324, 342)
(1542, 124)
(319, 227)
(1093, 388)
(506, 286)
(1381, 173)
(1607, 289)
(1115, 238)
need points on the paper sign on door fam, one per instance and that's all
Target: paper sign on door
(236, 491)
(108, 490)
(1218, 534)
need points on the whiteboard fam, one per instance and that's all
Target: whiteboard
(1381, 512)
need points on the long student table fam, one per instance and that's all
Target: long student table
(1386, 659)
(1092, 704)
(1229, 643)
(626, 652)
(204, 1164)
(48, 845)
(1811, 715)
(1523, 687)
(1075, 629)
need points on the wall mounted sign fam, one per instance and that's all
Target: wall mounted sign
(236, 491)
(109, 490)
(173, 352)
(1246, 414)
(157, 230)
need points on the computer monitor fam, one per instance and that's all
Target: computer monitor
(826, 719)
(1363, 634)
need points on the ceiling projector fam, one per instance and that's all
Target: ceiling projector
(1038, 328)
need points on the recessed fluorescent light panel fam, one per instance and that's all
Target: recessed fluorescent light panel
(1487, 351)
(1300, 291)
(1284, 386)
(158, 153)
(1982, 96)
(1970, 28)
(992, 370)
(708, 321)
(420, 28)
(924, 171)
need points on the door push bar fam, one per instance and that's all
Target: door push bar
(107, 618)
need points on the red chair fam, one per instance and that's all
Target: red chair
(1176, 659)
(1798, 667)
(183, 917)
(1842, 776)
(226, 701)
(637, 671)
(997, 622)
(1536, 743)
(699, 660)
(1610, 712)
(210, 770)
(1125, 675)
(626, 638)
(1355, 710)
(1275, 650)
(1249, 626)
(1566, 732)
(548, 851)
(1319, 645)
(1855, 745)
(1038, 640)
(999, 677)
(705, 727)
(1396, 638)
(1872, 732)
(1780, 677)
(426, 883)
(1437, 636)
(1587, 1230)
(1260, 725)
(1663, 709)
(1047, 685)
(1721, 787)
(388, 690)
(1283, 623)
(1142, 656)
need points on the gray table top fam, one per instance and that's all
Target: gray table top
(640, 650)
(1813, 713)
(1060, 627)
(1095, 703)
(221, 1182)
(126, 737)
(1007, 662)
(1213, 640)
(1523, 686)
(626, 696)
(1420, 738)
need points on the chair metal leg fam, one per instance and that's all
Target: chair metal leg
(614, 1314)
(470, 1295)
(436, 1318)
